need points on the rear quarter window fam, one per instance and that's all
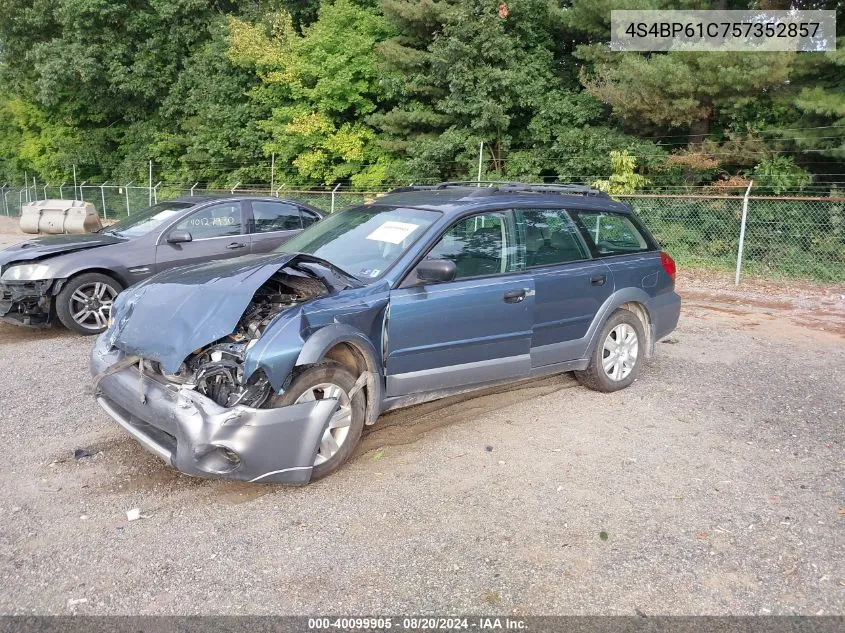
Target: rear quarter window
(611, 233)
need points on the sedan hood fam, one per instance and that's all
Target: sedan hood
(50, 245)
(171, 314)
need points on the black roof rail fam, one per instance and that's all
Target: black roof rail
(523, 187)
(407, 188)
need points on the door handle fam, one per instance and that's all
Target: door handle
(514, 296)
(235, 245)
(598, 280)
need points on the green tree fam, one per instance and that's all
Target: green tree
(321, 84)
(623, 178)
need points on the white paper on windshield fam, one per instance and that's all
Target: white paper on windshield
(393, 232)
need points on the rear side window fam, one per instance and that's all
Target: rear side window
(551, 237)
(610, 233)
(275, 216)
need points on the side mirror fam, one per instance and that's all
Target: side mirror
(177, 237)
(437, 270)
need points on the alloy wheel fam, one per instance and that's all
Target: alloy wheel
(90, 305)
(619, 353)
(338, 429)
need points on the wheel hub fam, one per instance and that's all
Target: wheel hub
(619, 353)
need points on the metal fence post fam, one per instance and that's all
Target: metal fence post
(480, 158)
(103, 198)
(333, 193)
(81, 195)
(151, 183)
(74, 182)
(45, 190)
(235, 187)
(6, 199)
(127, 197)
(192, 188)
(61, 191)
(155, 192)
(742, 232)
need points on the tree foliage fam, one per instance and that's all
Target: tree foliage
(373, 92)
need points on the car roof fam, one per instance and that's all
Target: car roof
(459, 197)
(208, 197)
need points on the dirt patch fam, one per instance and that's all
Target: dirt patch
(773, 308)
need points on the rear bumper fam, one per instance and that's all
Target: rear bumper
(26, 303)
(198, 437)
(664, 310)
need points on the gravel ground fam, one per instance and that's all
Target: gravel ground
(713, 485)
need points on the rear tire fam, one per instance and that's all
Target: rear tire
(84, 304)
(618, 354)
(315, 383)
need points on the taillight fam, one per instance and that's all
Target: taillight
(668, 264)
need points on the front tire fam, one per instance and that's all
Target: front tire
(84, 304)
(328, 380)
(616, 359)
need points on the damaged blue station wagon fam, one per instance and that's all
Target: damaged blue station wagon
(266, 368)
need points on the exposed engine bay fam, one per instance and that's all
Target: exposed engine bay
(216, 371)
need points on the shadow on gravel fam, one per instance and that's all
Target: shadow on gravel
(13, 334)
(406, 426)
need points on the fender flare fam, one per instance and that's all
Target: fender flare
(611, 304)
(315, 348)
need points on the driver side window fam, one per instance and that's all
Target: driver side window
(480, 245)
(218, 220)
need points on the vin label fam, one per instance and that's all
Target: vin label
(748, 31)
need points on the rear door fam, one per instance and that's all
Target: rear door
(272, 224)
(472, 330)
(618, 240)
(217, 232)
(570, 285)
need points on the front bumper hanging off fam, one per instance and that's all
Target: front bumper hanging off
(198, 437)
(26, 303)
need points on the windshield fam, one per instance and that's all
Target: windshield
(363, 241)
(142, 222)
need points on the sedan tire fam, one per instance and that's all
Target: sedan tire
(618, 354)
(322, 381)
(84, 303)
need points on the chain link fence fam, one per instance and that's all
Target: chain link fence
(791, 237)
(798, 237)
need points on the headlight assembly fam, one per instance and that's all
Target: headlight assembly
(26, 272)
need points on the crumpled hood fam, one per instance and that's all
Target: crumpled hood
(180, 310)
(50, 245)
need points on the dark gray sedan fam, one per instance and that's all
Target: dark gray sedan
(75, 278)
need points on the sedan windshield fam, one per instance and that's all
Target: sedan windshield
(142, 222)
(363, 241)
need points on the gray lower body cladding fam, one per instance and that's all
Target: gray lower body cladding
(27, 303)
(198, 437)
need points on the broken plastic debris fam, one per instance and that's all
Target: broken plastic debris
(134, 514)
(72, 602)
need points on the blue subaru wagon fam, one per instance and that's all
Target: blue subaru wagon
(266, 368)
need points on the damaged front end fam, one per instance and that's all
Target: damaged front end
(27, 303)
(206, 415)
(217, 370)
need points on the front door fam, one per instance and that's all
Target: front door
(570, 286)
(217, 232)
(472, 330)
